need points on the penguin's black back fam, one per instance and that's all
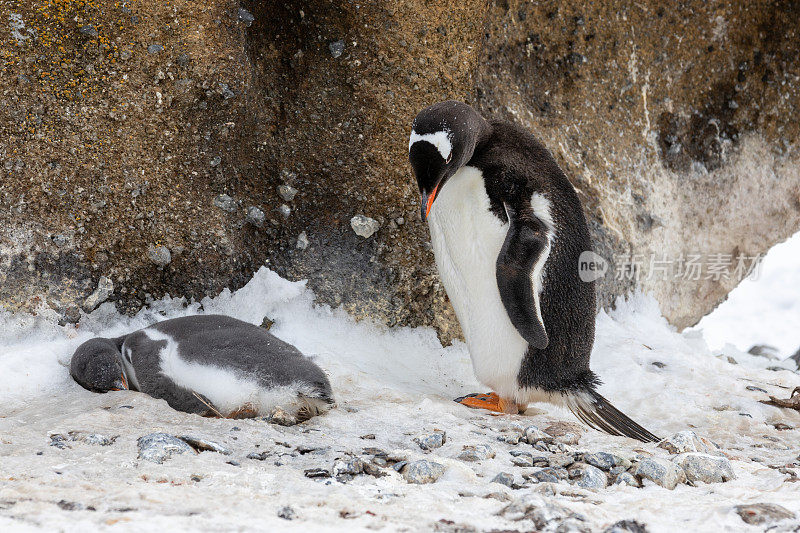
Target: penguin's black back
(515, 165)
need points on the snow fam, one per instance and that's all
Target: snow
(393, 383)
(764, 310)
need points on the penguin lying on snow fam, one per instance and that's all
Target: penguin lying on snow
(507, 230)
(206, 364)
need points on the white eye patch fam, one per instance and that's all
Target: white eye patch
(439, 139)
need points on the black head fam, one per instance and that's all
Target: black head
(96, 366)
(443, 138)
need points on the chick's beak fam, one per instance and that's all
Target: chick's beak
(121, 384)
(426, 202)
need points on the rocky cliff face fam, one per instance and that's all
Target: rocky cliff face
(176, 147)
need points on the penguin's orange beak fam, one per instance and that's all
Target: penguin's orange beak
(426, 202)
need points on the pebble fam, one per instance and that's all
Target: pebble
(522, 460)
(158, 447)
(281, 418)
(504, 478)
(204, 445)
(89, 30)
(626, 478)
(225, 202)
(302, 241)
(626, 526)
(317, 472)
(687, 441)
(432, 441)
(591, 477)
(422, 471)
(72, 314)
(215, 161)
(706, 468)
(560, 460)
(105, 287)
(364, 226)
(248, 19)
(285, 210)
(763, 513)
(287, 513)
(352, 467)
(550, 474)
(606, 461)
(476, 453)
(532, 435)
(255, 216)
(125, 55)
(287, 192)
(336, 48)
(660, 471)
(159, 255)
(94, 439)
(154, 49)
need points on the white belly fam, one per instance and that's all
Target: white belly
(466, 240)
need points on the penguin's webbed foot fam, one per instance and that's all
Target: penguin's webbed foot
(491, 402)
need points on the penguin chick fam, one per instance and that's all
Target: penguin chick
(507, 230)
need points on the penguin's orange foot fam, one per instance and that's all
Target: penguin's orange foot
(491, 402)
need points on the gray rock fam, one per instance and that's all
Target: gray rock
(626, 478)
(766, 351)
(71, 315)
(476, 453)
(606, 461)
(287, 513)
(364, 226)
(94, 439)
(432, 441)
(626, 526)
(215, 161)
(89, 30)
(281, 418)
(158, 447)
(549, 475)
(573, 525)
(255, 216)
(336, 48)
(532, 435)
(687, 441)
(285, 210)
(125, 55)
(302, 241)
(159, 255)
(522, 460)
(226, 91)
(504, 478)
(226, 203)
(155, 49)
(246, 17)
(536, 508)
(763, 513)
(105, 288)
(559, 460)
(287, 192)
(705, 468)
(352, 467)
(317, 472)
(421, 472)
(204, 445)
(591, 477)
(661, 472)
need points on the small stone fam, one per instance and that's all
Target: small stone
(432, 441)
(476, 453)
(591, 477)
(512, 438)
(352, 467)
(225, 202)
(281, 418)
(159, 255)
(626, 478)
(549, 475)
(255, 216)
(560, 460)
(626, 526)
(364, 226)
(422, 471)
(105, 287)
(89, 30)
(204, 445)
(504, 478)
(285, 210)
(125, 55)
(246, 17)
(287, 192)
(59, 441)
(287, 513)
(215, 161)
(687, 441)
(158, 447)
(522, 460)
(302, 241)
(606, 461)
(661, 472)
(317, 472)
(532, 435)
(94, 439)
(336, 48)
(72, 314)
(706, 468)
(226, 91)
(258, 456)
(70, 506)
(154, 49)
(763, 513)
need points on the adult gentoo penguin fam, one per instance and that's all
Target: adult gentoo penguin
(206, 364)
(507, 230)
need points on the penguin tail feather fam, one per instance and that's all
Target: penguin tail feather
(597, 412)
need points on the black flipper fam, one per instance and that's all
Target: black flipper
(525, 242)
(598, 413)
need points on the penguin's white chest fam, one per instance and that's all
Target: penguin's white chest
(467, 239)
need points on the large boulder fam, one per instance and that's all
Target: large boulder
(178, 147)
